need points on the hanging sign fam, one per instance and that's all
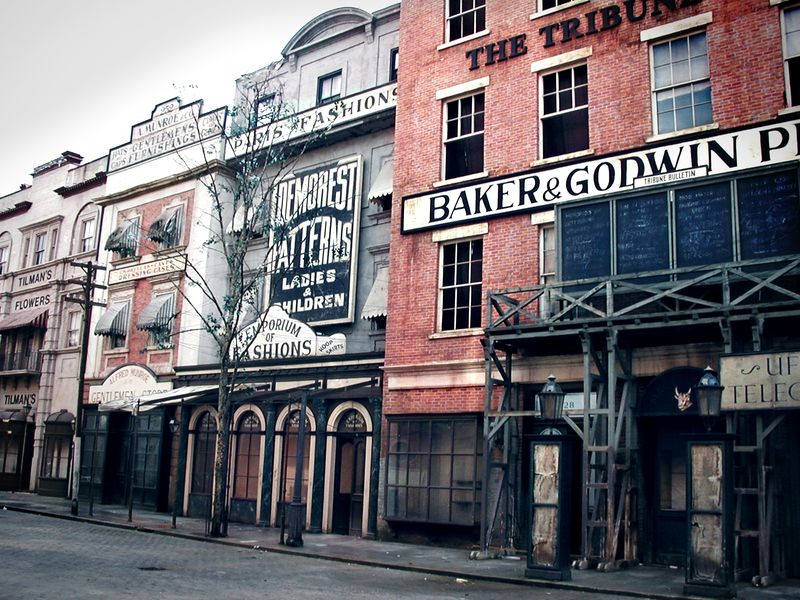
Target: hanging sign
(769, 380)
(127, 383)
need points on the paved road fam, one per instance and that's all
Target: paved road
(43, 557)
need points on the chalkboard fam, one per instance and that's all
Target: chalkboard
(703, 225)
(585, 241)
(769, 215)
(642, 228)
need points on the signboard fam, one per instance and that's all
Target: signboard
(129, 382)
(315, 242)
(19, 397)
(31, 302)
(769, 380)
(147, 269)
(540, 189)
(171, 127)
(318, 119)
(277, 335)
(31, 279)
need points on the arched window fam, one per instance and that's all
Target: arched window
(5, 252)
(203, 460)
(84, 234)
(57, 441)
(290, 431)
(352, 422)
(248, 447)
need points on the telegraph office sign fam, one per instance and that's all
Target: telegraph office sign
(769, 380)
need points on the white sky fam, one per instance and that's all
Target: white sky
(76, 75)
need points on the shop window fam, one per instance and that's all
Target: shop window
(465, 18)
(73, 328)
(9, 453)
(393, 63)
(432, 470)
(565, 111)
(461, 287)
(57, 443)
(791, 54)
(329, 87)
(463, 136)
(248, 453)
(681, 84)
(203, 458)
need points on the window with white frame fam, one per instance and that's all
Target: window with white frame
(548, 4)
(681, 83)
(87, 230)
(547, 262)
(393, 63)
(565, 111)
(39, 248)
(329, 87)
(53, 243)
(464, 18)
(791, 54)
(4, 254)
(73, 328)
(463, 136)
(460, 288)
(266, 108)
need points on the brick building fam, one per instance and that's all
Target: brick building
(606, 192)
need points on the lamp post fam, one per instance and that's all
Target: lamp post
(295, 521)
(26, 409)
(548, 511)
(174, 427)
(708, 393)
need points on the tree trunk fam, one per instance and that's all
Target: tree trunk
(220, 488)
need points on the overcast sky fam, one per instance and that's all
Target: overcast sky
(76, 75)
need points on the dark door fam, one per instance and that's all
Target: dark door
(148, 460)
(348, 499)
(117, 467)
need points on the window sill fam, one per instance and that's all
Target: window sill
(116, 351)
(461, 179)
(555, 9)
(458, 333)
(562, 157)
(467, 38)
(789, 110)
(683, 132)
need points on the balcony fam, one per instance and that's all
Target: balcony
(21, 362)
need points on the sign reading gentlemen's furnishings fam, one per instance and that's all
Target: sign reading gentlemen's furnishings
(126, 384)
(769, 380)
(315, 216)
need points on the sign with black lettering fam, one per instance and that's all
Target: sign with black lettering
(24, 281)
(314, 242)
(760, 381)
(30, 302)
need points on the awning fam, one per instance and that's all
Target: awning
(382, 186)
(127, 404)
(237, 223)
(157, 314)
(165, 226)
(113, 322)
(35, 317)
(185, 394)
(378, 297)
(123, 239)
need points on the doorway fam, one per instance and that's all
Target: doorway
(348, 490)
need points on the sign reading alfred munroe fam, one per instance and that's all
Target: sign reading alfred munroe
(769, 380)
(128, 382)
(539, 189)
(315, 242)
(171, 127)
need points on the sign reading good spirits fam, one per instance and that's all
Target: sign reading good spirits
(277, 335)
(127, 383)
(761, 381)
(170, 264)
(540, 189)
(315, 242)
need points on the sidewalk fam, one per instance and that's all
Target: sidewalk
(641, 582)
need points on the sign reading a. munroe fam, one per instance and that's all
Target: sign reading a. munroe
(315, 216)
(764, 381)
(171, 127)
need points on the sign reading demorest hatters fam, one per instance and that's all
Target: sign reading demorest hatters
(276, 335)
(540, 189)
(127, 383)
(315, 242)
(171, 127)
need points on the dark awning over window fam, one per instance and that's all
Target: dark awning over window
(113, 322)
(164, 228)
(382, 186)
(123, 239)
(157, 314)
(35, 317)
(377, 300)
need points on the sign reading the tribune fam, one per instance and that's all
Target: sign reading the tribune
(539, 189)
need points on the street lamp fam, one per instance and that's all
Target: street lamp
(296, 512)
(551, 400)
(708, 393)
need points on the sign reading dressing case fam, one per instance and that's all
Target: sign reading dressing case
(769, 380)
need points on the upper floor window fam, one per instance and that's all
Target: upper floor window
(548, 4)
(393, 64)
(461, 284)
(463, 136)
(73, 328)
(464, 18)
(266, 108)
(124, 240)
(791, 54)
(681, 84)
(329, 87)
(166, 230)
(87, 229)
(157, 318)
(565, 111)
(4, 254)
(39, 248)
(113, 324)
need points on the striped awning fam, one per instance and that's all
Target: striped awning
(123, 239)
(157, 314)
(35, 317)
(165, 226)
(113, 322)
(382, 185)
(378, 297)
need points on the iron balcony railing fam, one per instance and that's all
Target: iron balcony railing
(733, 290)
(21, 361)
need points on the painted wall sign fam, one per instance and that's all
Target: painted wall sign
(539, 189)
(277, 335)
(19, 398)
(171, 127)
(607, 18)
(31, 302)
(769, 380)
(497, 51)
(170, 264)
(24, 281)
(315, 243)
(318, 119)
(127, 383)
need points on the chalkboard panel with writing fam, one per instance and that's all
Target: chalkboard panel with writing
(585, 241)
(642, 233)
(703, 226)
(769, 215)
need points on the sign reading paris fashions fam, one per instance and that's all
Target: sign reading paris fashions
(540, 189)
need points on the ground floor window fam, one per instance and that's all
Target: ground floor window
(432, 470)
(203, 459)
(248, 453)
(289, 462)
(57, 444)
(9, 453)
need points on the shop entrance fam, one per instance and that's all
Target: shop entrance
(348, 497)
(787, 459)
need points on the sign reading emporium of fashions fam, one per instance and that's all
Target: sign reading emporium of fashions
(769, 380)
(125, 385)
(318, 119)
(539, 189)
(315, 242)
(170, 127)
(276, 335)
